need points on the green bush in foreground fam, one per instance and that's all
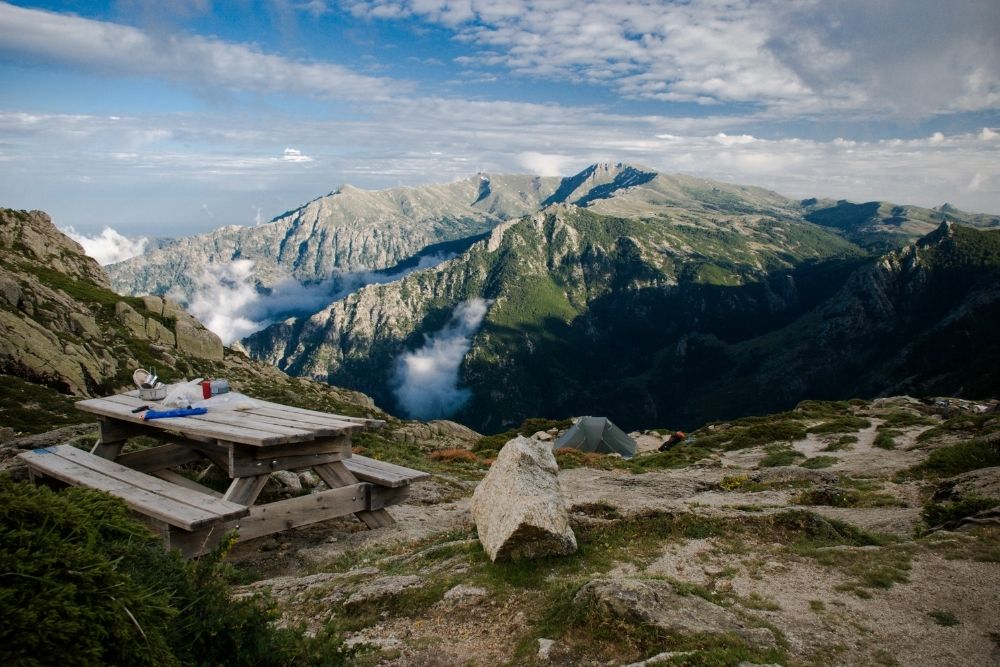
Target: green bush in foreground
(83, 583)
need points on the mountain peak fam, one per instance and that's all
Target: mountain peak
(600, 180)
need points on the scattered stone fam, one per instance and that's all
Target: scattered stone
(463, 592)
(545, 648)
(382, 589)
(660, 658)
(309, 479)
(10, 291)
(543, 436)
(133, 321)
(153, 304)
(288, 480)
(158, 333)
(84, 325)
(518, 508)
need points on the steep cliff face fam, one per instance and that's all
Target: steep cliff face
(920, 320)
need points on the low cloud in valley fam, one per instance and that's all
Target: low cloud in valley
(427, 378)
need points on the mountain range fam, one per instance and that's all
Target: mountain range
(653, 298)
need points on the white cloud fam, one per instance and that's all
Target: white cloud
(979, 182)
(109, 246)
(222, 292)
(295, 155)
(908, 57)
(229, 302)
(426, 381)
(208, 63)
(728, 140)
(545, 164)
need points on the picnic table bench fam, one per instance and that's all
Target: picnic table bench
(248, 445)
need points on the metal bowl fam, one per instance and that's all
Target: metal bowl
(153, 394)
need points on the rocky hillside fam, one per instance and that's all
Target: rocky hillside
(679, 317)
(349, 229)
(850, 533)
(882, 226)
(64, 334)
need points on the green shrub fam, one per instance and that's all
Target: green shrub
(843, 442)
(768, 432)
(886, 438)
(817, 462)
(85, 584)
(936, 514)
(781, 457)
(831, 496)
(958, 458)
(843, 424)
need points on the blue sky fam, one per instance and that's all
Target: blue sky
(169, 118)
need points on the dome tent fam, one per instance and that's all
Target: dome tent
(599, 435)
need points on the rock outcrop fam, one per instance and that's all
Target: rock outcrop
(518, 508)
(62, 326)
(654, 603)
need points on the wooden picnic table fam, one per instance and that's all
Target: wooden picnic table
(248, 445)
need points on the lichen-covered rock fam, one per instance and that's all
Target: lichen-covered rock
(655, 603)
(197, 342)
(158, 333)
(518, 508)
(382, 589)
(131, 319)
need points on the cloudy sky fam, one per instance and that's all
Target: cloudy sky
(168, 118)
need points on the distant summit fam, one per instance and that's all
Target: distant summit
(599, 181)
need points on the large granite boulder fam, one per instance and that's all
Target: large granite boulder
(518, 508)
(197, 341)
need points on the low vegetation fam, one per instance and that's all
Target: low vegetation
(93, 586)
(955, 459)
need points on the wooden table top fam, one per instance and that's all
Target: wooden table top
(264, 425)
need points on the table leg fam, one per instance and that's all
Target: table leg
(111, 439)
(244, 490)
(337, 475)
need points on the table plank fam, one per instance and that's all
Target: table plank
(361, 421)
(159, 487)
(175, 505)
(188, 426)
(272, 421)
(310, 421)
(382, 473)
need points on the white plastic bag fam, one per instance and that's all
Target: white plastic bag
(183, 394)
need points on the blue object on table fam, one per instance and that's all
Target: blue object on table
(183, 412)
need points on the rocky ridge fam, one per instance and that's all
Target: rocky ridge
(348, 230)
